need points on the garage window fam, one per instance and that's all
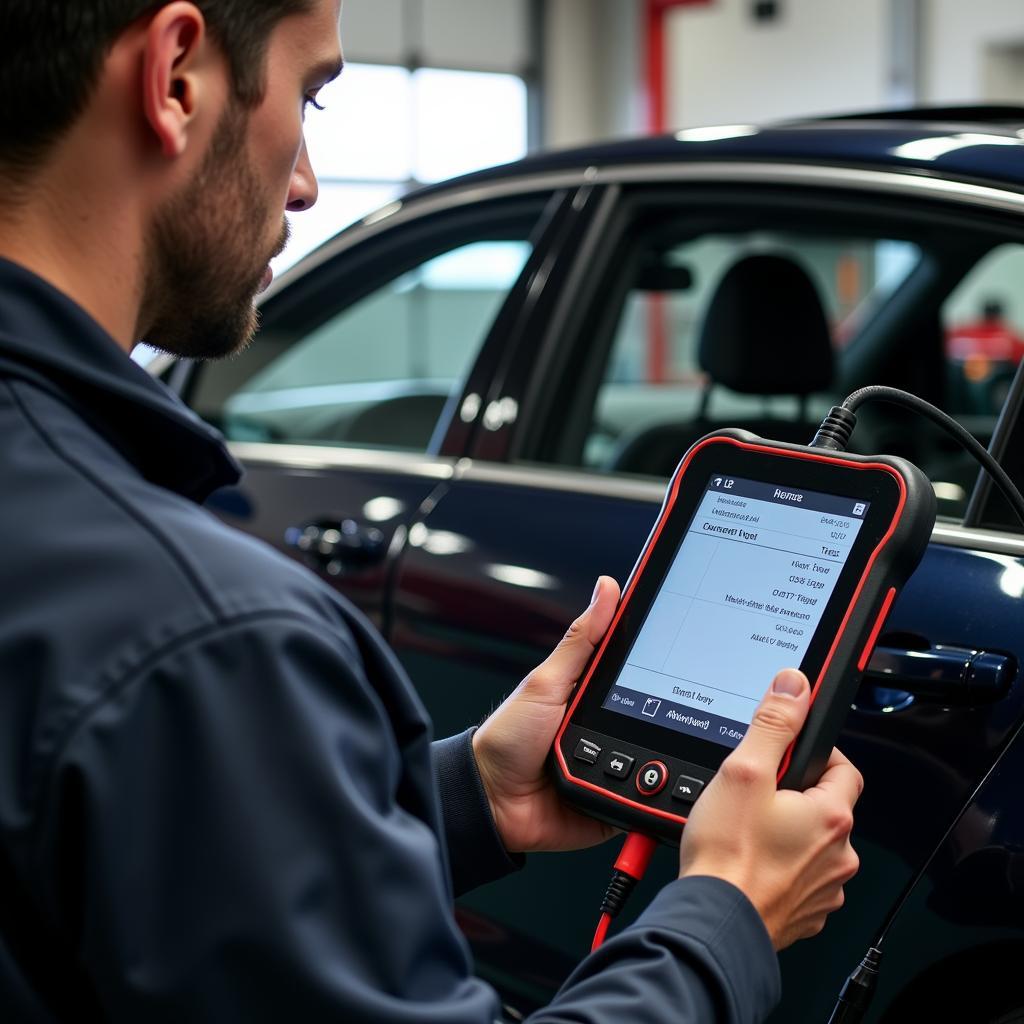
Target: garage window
(386, 129)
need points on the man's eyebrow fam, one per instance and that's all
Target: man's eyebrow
(327, 71)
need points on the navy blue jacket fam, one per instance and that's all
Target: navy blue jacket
(219, 800)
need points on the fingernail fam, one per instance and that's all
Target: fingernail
(597, 590)
(788, 683)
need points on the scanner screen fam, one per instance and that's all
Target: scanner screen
(744, 593)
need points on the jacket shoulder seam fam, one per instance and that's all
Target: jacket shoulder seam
(134, 673)
(127, 508)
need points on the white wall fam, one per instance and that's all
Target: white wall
(593, 86)
(820, 56)
(571, 110)
(477, 35)
(957, 36)
(373, 31)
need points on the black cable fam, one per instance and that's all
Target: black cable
(834, 433)
(894, 396)
(858, 991)
(835, 430)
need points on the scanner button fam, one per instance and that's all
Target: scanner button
(687, 789)
(651, 778)
(619, 766)
(587, 750)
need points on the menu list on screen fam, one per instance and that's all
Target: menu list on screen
(741, 600)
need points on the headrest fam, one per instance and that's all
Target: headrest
(765, 331)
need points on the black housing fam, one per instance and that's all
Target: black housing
(892, 539)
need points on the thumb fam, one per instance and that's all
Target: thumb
(553, 679)
(778, 719)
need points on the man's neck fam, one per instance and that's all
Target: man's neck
(84, 245)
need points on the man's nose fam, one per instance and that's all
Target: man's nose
(303, 189)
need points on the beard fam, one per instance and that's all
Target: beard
(207, 253)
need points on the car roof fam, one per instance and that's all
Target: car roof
(975, 144)
(972, 144)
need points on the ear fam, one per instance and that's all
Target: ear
(173, 63)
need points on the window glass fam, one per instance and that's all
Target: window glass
(983, 321)
(466, 120)
(380, 371)
(655, 378)
(691, 332)
(365, 131)
(385, 129)
(337, 206)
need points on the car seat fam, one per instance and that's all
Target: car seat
(765, 333)
(403, 422)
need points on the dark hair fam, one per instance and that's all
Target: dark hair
(52, 51)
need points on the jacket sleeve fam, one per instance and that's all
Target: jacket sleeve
(699, 954)
(229, 838)
(231, 835)
(476, 853)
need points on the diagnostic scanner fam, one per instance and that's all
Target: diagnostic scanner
(764, 555)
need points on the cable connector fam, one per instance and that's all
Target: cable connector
(620, 888)
(859, 990)
(630, 867)
(835, 430)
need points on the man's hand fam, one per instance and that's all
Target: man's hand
(789, 852)
(512, 746)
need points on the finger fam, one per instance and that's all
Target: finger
(841, 779)
(776, 722)
(598, 617)
(553, 679)
(837, 757)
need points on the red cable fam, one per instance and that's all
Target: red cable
(635, 855)
(632, 862)
(601, 932)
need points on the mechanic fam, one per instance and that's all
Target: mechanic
(218, 796)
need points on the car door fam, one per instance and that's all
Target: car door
(347, 409)
(497, 568)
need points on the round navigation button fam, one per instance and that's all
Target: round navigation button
(651, 778)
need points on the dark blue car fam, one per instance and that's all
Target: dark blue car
(463, 409)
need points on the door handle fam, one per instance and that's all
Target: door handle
(335, 547)
(941, 674)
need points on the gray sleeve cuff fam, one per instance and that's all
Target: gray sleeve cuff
(699, 954)
(475, 851)
(716, 921)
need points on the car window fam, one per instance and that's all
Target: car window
(376, 369)
(380, 372)
(655, 374)
(983, 321)
(724, 310)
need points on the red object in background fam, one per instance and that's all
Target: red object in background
(657, 64)
(657, 340)
(657, 123)
(989, 338)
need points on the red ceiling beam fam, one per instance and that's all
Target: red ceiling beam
(657, 60)
(656, 13)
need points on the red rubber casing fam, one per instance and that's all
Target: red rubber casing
(834, 685)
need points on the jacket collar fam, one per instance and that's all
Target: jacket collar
(48, 339)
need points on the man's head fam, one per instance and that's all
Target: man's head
(196, 105)
(208, 243)
(51, 53)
